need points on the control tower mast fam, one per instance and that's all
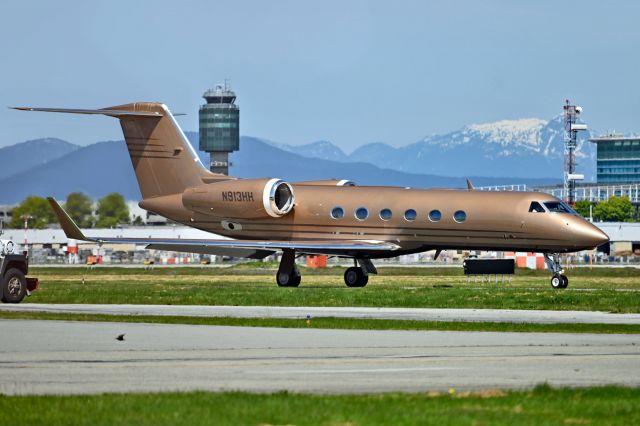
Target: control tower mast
(571, 129)
(219, 126)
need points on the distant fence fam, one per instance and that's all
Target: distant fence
(595, 193)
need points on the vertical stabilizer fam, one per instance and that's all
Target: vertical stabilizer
(163, 159)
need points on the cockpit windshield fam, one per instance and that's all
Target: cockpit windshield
(558, 207)
(535, 207)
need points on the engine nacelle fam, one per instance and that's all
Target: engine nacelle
(327, 182)
(241, 198)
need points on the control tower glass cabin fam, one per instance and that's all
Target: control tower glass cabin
(219, 127)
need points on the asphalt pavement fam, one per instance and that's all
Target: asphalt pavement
(74, 357)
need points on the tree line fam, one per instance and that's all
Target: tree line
(615, 209)
(111, 210)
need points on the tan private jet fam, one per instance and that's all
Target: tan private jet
(328, 217)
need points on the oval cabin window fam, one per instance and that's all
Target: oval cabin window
(337, 213)
(459, 216)
(410, 214)
(385, 214)
(435, 215)
(362, 213)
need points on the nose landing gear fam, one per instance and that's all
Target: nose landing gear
(558, 280)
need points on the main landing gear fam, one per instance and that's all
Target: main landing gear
(558, 280)
(288, 274)
(358, 276)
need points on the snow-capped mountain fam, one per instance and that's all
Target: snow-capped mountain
(525, 148)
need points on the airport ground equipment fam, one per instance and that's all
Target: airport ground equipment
(488, 267)
(14, 284)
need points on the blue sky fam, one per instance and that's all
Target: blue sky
(351, 72)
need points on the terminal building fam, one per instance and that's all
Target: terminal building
(618, 159)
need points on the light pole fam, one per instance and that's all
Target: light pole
(26, 218)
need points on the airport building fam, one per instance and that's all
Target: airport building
(219, 127)
(618, 159)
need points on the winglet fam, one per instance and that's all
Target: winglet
(69, 227)
(470, 185)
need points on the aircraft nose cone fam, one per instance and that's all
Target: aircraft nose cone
(592, 236)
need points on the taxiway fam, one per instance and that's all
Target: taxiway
(421, 314)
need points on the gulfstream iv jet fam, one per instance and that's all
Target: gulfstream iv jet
(328, 217)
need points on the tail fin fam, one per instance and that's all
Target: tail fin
(163, 159)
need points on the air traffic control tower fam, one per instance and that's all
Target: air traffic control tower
(219, 127)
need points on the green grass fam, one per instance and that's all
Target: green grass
(336, 323)
(602, 289)
(540, 406)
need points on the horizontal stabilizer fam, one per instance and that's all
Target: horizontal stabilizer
(109, 112)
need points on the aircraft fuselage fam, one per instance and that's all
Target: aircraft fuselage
(414, 219)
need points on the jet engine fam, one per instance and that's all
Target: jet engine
(241, 198)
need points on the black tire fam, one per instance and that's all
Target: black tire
(284, 279)
(295, 281)
(14, 286)
(565, 281)
(557, 281)
(355, 277)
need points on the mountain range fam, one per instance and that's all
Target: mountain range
(525, 148)
(525, 151)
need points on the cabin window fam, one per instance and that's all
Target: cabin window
(362, 213)
(459, 216)
(410, 214)
(385, 214)
(337, 213)
(535, 207)
(435, 215)
(558, 207)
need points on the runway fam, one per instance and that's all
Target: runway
(72, 357)
(422, 314)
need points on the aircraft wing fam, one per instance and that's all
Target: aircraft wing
(242, 248)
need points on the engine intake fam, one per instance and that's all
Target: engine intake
(277, 198)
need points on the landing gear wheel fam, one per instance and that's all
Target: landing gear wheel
(285, 279)
(557, 281)
(14, 286)
(565, 281)
(288, 274)
(355, 277)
